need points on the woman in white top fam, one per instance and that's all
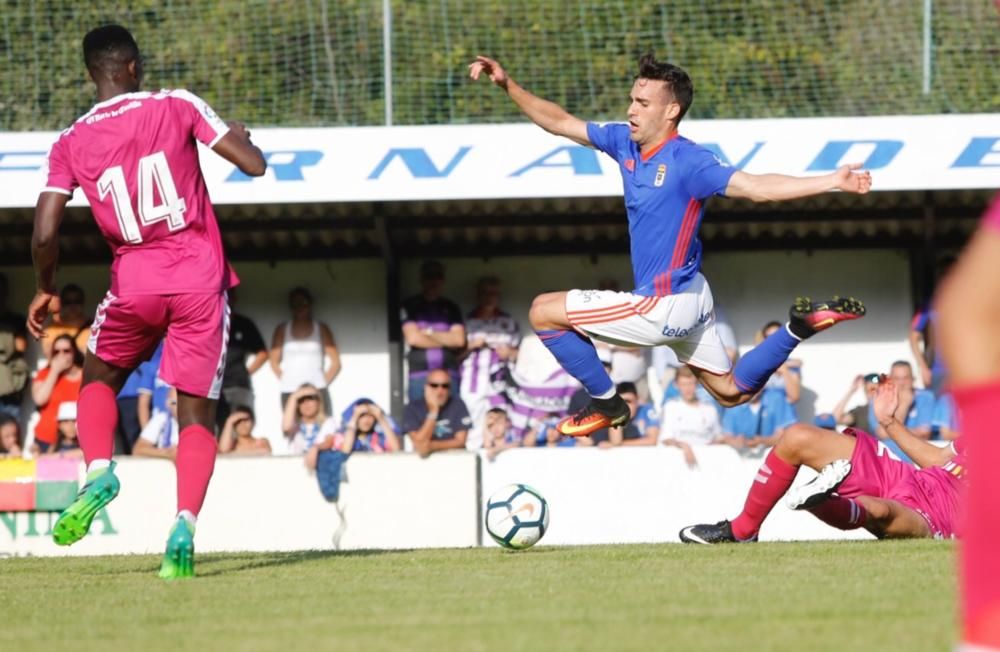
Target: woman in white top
(300, 349)
(304, 421)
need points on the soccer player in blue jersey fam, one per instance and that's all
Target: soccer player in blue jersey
(667, 179)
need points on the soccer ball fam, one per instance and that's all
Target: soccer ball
(517, 516)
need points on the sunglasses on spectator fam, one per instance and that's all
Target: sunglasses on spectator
(439, 385)
(62, 350)
(309, 397)
(73, 301)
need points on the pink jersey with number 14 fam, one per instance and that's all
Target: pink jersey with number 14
(135, 157)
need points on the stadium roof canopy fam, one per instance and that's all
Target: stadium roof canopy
(491, 190)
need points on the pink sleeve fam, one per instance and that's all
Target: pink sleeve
(60, 176)
(206, 126)
(992, 217)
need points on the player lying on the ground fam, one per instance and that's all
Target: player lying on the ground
(859, 483)
(667, 178)
(968, 306)
(135, 157)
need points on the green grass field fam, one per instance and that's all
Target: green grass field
(802, 596)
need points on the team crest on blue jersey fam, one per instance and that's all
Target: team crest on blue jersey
(630, 164)
(661, 174)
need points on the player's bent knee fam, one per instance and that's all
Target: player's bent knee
(547, 312)
(795, 441)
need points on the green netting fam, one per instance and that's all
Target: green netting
(316, 62)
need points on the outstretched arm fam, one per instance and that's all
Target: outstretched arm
(548, 115)
(920, 451)
(781, 187)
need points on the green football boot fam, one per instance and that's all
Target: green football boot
(178, 560)
(100, 489)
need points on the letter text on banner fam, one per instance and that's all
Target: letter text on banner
(582, 159)
(287, 166)
(832, 155)
(418, 162)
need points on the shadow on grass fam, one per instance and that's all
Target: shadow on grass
(225, 563)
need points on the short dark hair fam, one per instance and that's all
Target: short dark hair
(497, 410)
(109, 47)
(627, 388)
(300, 291)
(677, 81)
(431, 269)
(901, 363)
(770, 325)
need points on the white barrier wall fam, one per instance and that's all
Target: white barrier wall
(626, 495)
(643, 495)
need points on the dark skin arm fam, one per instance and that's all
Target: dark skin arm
(236, 148)
(45, 255)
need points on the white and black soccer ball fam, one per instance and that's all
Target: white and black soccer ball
(517, 516)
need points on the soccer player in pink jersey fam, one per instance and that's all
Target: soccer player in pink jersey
(968, 306)
(859, 484)
(135, 156)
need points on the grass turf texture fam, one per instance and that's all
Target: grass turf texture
(779, 596)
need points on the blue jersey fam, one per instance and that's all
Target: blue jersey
(665, 190)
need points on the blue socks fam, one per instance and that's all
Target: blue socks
(754, 368)
(578, 356)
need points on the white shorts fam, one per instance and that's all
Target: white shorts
(685, 322)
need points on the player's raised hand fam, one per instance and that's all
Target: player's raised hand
(42, 305)
(886, 401)
(850, 180)
(490, 67)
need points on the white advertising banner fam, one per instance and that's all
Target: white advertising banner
(644, 494)
(274, 503)
(446, 162)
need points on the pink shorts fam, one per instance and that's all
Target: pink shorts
(931, 492)
(194, 329)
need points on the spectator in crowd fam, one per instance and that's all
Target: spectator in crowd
(10, 437)
(366, 429)
(754, 424)
(944, 423)
(433, 331)
(304, 421)
(493, 337)
(14, 371)
(159, 436)
(499, 434)
(153, 391)
(129, 423)
(439, 421)
(67, 444)
(245, 341)
(930, 366)
(687, 421)
(55, 384)
(643, 429)
(857, 417)
(303, 351)
(70, 320)
(784, 387)
(237, 434)
(915, 409)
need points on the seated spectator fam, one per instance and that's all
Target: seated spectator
(246, 353)
(945, 420)
(303, 351)
(71, 320)
(499, 434)
(13, 366)
(438, 422)
(237, 434)
(67, 444)
(784, 388)
(857, 417)
(643, 429)
(159, 436)
(686, 421)
(493, 337)
(55, 384)
(756, 423)
(367, 429)
(304, 421)
(10, 437)
(433, 331)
